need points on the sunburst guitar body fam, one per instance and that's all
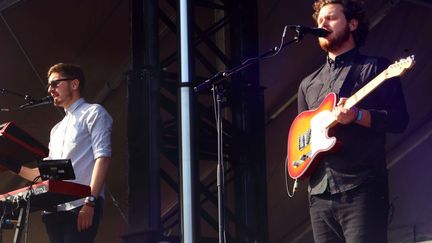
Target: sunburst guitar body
(309, 139)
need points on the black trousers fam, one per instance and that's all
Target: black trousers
(356, 216)
(62, 226)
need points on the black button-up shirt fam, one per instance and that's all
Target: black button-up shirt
(361, 158)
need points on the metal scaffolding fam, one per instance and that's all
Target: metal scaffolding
(221, 35)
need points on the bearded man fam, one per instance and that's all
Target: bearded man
(348, 190)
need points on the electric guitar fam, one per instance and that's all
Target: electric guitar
(308, 137)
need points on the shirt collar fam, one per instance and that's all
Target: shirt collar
(75, 105)
(342, 59)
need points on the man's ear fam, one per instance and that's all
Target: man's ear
(75, 84)
(353, 24)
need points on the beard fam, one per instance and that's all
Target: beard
(65, 96)
(338, 40)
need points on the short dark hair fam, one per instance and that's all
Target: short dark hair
(70, 71)
(353, 9)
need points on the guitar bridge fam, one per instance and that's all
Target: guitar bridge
(302, 159)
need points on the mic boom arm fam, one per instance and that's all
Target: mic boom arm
(32, 103)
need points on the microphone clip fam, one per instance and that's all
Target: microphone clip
(34, 103)
(299, 30)
(302, 30)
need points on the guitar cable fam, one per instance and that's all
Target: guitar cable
(295, 185)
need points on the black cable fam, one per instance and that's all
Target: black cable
(295, 185)
(117, 205)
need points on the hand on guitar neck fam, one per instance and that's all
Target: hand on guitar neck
(346, 116)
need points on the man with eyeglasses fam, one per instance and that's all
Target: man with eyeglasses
(84, 136)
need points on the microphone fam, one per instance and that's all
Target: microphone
(34, 103)
(302, 30)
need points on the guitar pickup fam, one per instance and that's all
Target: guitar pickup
(304, 139)
(302, 159)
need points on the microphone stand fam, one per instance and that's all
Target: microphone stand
(27, 98)
(218, 91)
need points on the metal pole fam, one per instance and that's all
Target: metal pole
(187, 157)
(144, 124)
(220, 166)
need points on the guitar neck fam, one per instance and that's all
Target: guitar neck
(393, 70)
(367, 89)
(359, 95)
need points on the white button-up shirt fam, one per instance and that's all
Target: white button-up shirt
(82, 136)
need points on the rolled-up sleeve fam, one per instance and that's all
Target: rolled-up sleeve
(99, 124)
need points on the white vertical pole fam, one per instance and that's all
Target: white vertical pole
(186, 160)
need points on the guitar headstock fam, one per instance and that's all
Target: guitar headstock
(398, 68)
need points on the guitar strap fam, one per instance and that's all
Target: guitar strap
(353, 75)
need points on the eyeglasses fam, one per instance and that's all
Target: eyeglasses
(54, 83)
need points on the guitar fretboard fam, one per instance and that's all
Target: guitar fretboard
(393, 70)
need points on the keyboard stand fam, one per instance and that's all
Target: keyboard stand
(20, 225)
